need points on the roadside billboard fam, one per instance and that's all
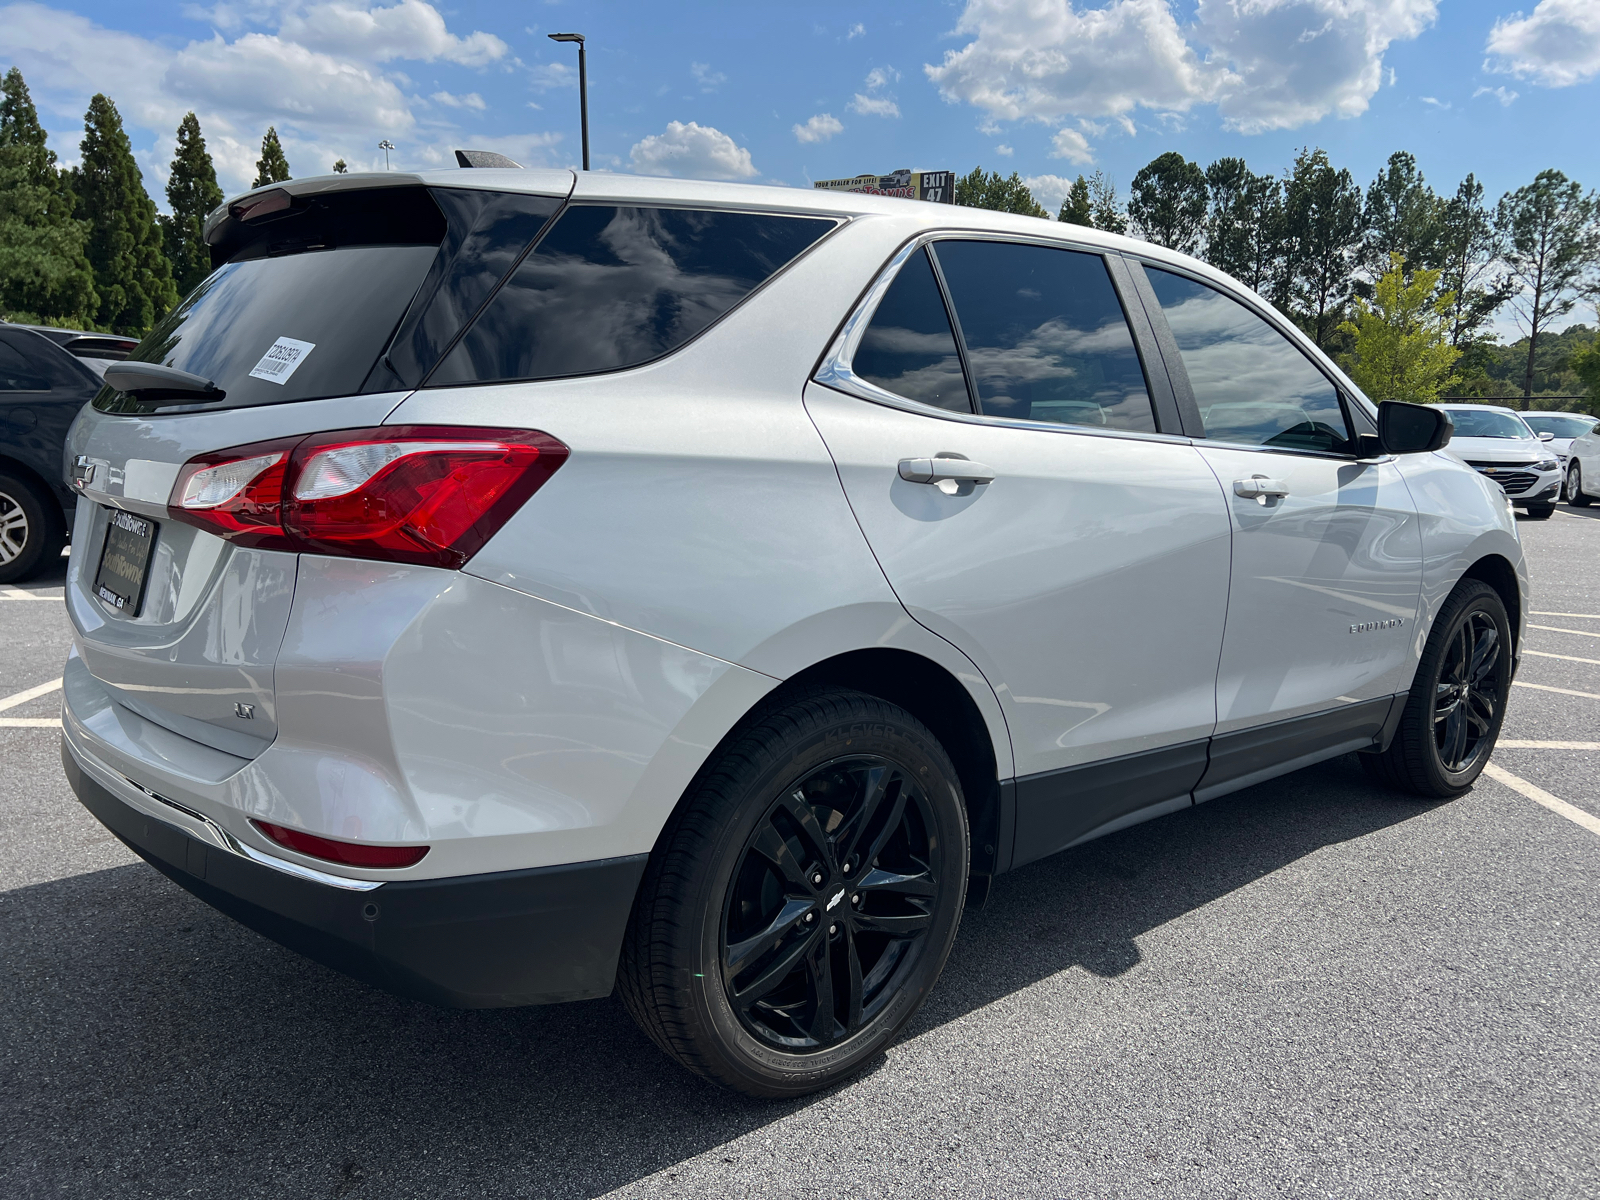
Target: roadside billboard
(936, 186)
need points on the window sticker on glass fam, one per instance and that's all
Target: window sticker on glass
(281, 359)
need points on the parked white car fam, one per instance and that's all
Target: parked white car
(1499, 443)
(1562, 427)
(504, 586)
(1583, 469)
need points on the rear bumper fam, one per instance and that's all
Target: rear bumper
(479, 941)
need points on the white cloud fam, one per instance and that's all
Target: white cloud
(706, 77)
(1005, 151)
(881, 77)
(1266, 64)
(1049, 190)
(1072, 146)
(1435, 102)
(856, 30)
(819, 128)
(545, 76)
(874, 106)
(696, 151)
(1558, 45)
(1504, 95)
(409, 29)
(470, 100)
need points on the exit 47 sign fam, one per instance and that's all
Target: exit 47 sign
(937, 186)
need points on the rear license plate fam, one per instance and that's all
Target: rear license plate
(125, 562)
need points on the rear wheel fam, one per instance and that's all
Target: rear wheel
(1574, 487)
(802, 903)
(32, 531)
(1457, 701)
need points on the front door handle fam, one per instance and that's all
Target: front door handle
(1259, 487)
(937, 470)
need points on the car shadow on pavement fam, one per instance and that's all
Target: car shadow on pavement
(155, 1047)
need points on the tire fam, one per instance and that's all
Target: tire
(739, 864)
(32, 530)
(1539, 512)
(1437, 707)
(1572, 490)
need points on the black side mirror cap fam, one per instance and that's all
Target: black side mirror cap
(1413, 428)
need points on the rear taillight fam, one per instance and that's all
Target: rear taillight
(351, 854)
(407, 493)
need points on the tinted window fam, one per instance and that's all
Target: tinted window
(1561, 427)
(1046, 336)
(612, 287)
(1486, 423)
(909, 348)
(1251, 383)
(488, 231)
(17, 374)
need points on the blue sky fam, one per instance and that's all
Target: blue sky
(790, 93)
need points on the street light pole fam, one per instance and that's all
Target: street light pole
(386, 145)
(583, 88)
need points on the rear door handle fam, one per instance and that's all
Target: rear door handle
(935, 470)
(1259, 487)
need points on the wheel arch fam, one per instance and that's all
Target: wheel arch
(1498, 573)
(11, 465)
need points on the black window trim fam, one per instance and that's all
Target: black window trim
(839, 222)
(833, 368)
(1179, 373)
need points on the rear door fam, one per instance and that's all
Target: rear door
(1083, 563)
(1327, 555)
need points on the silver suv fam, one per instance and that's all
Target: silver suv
(504, 587)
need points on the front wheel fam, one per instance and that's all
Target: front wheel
(1574, 487)
(802, 902)
(1539, 512)
(1457, 700)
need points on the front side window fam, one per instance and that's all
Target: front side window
(909, 348)
(1561, 427)
(1252, 384)
(611, 287)
(1046, 337)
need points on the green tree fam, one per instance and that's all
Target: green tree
(1077, 208)
(992, 190)
(1402, 215)
(1553, 241)
(1244, 230)
(44, 274)
(1586, 365)
(1167, 202)
(339, 166)
(1322, 235)
(1107, 208)
(1468, 249)
(1402, 347)
(131, 271)
(272, 167)
(192, 192)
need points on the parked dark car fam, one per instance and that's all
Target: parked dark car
(46, 376)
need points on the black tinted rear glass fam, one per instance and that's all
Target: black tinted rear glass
(611, 287)
(909, 348)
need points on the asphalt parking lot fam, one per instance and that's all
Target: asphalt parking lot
(1311, 988)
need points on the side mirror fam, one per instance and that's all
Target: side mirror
(1413, 428)
(1547, 437)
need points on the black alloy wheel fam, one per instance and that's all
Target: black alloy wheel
(1457, 701)
(830, 904)
(800, 903)
(1466, 702)
(1574, 487)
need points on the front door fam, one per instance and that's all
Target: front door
(1087, 577)
(1327, 551)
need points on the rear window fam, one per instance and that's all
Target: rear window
(611, 287)
(313, 296)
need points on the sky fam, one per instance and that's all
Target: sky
(790, 93)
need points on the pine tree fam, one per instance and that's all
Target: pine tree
(1077, 208)
(272, 167)
(1244, 233)
(1323, 232)
(993, 191)
(1402, 339)
(1402, 217)
(44, 275)
(339, 166)
(1167, 202)
(131, 270)
(1108, 211)
(192, 192)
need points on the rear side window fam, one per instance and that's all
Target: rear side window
(611, 287)
(1045, 334)
(909, 348)
(1253, 386)
(17, 374)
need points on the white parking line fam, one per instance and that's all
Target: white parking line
(30, 722)
(1540, 687)
(1563, 657)
(1584, 616)
(1515, 744)
(11, 593)
(33, 693)
(1539, 796)
(1553, 629)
